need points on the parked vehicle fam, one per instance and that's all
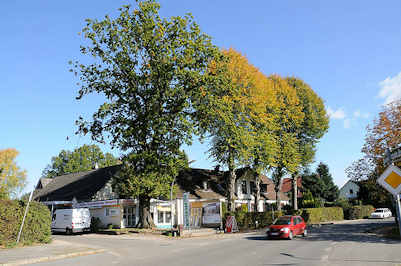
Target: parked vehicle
(381, 213)
(287, 227)
(71, 220)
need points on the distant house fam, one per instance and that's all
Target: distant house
(286, 187)
(349, 190)
(206, 189)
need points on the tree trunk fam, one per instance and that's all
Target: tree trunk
(277, 188)
(231, 182)
(257, 192)
(145, 218)
(295, 191)
(257, 184)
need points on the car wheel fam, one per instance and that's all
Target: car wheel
(290, 236)
(305, 233)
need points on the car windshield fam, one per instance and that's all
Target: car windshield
(282, 221)
(379, 211)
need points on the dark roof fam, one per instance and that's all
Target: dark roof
(43, 182)
(82, 185)
(191, 180)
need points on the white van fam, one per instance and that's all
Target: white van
(71, 220)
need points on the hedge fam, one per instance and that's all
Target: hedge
(359, 212)
(320, 215)
(37, 223)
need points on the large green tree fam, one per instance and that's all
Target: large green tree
(12, 177)
(314, 125)
(81, 159)
(150, 70)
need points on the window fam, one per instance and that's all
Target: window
(351, 191)
(160, 217)
(263, 188)
(253, 187)
(243, 186)
(168, 217)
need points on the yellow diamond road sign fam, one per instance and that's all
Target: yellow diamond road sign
(391, 179)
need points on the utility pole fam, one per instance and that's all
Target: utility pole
(23, 219)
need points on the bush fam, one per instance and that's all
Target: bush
(96, 224)
(319, 215)
(359, 212)
(37, 222)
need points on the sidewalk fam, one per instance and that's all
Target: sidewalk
(33, 254)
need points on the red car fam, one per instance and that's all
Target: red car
(287, 227)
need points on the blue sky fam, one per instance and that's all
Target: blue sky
(348, 51)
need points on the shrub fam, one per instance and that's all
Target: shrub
(319, 215)
(96, 224)
(37, 222)
(359, 212)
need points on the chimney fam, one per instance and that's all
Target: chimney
(204, 185)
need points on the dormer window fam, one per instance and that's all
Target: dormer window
(205, 187)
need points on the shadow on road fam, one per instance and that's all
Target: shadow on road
(349, 232)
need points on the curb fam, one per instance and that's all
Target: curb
(51, 258)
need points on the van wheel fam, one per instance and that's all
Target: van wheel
(68, 231)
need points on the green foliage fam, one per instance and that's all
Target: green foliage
(320, 183)
(37, 222)
(152, 71)
(81, 159)
(247, 220)
(320, 215)
(308, 201)
(330, 190)
(359, 212)
(370, 193)
(96, 224)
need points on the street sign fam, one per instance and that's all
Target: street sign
(392, 156)
(187, 210)
(391, 180)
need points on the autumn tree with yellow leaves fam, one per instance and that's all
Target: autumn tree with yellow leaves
(12, 177)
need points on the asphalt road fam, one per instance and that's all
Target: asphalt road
(337, 244)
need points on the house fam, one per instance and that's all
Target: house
(286, 187)
(349, 190)
(205, 190)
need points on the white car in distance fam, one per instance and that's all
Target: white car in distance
(381, 213)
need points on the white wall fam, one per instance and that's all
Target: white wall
(345, 191)
(114, 217)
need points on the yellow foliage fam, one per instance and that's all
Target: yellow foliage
(12, 178)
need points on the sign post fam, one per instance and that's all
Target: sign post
(187, 210)
(391, 181)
